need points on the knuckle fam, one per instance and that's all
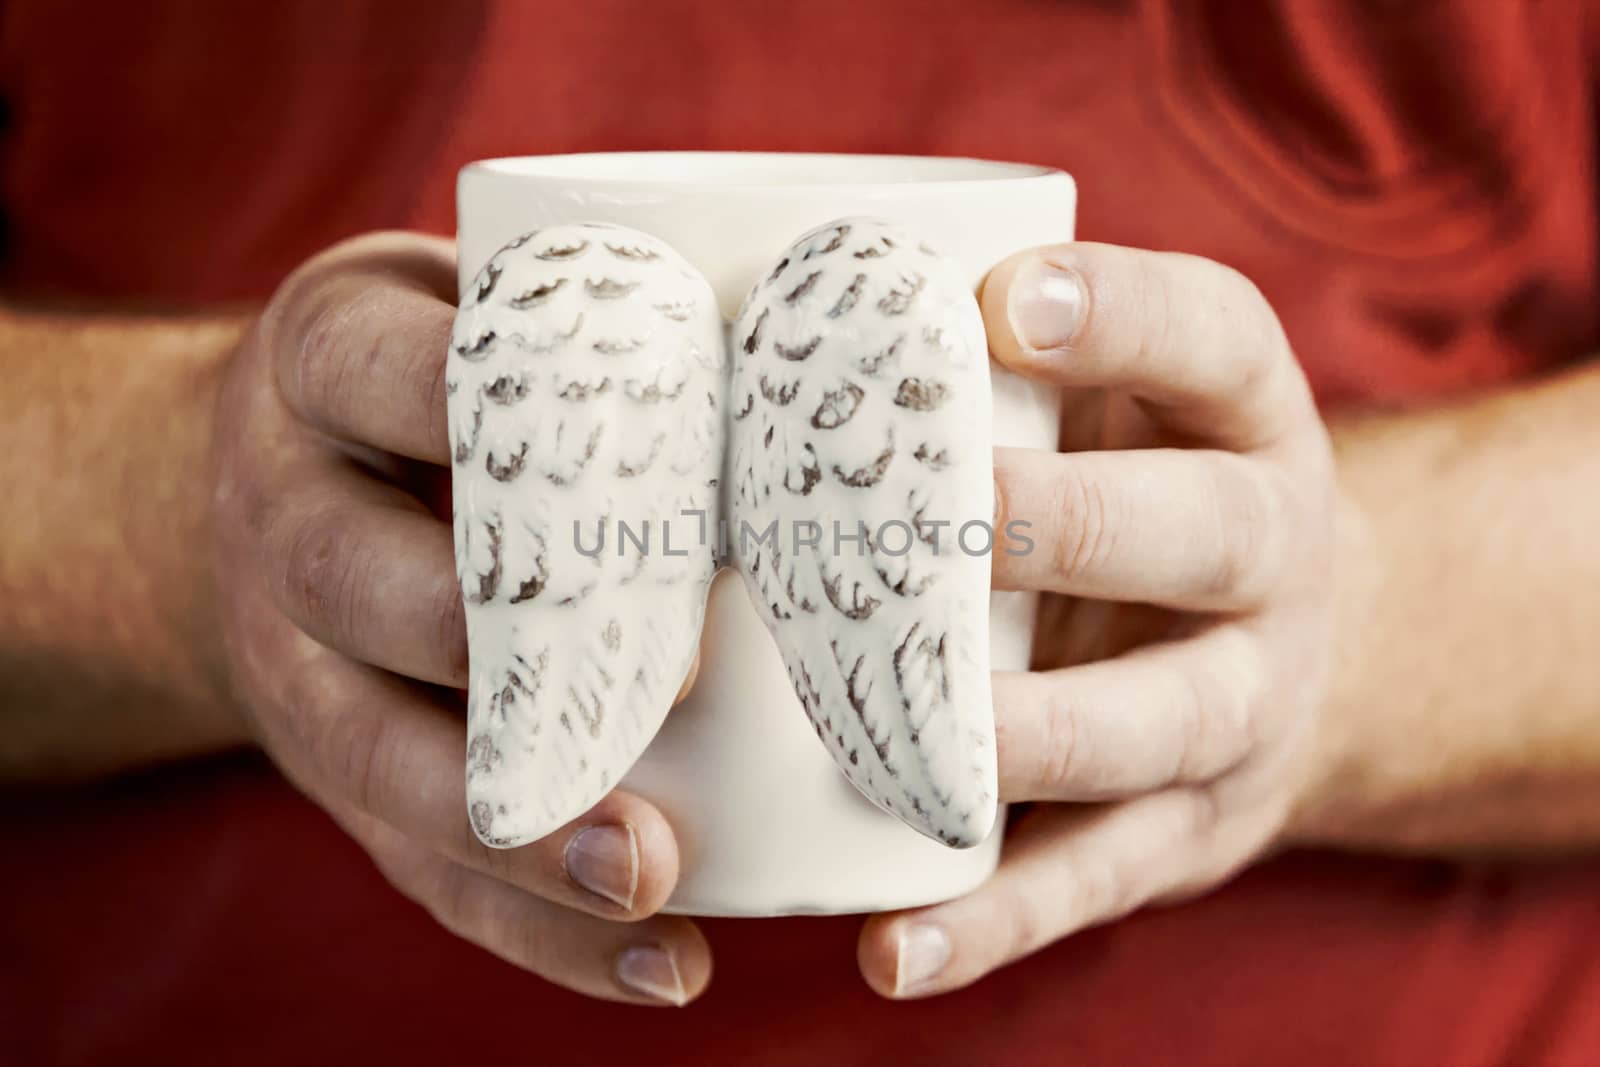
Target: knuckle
(327, 365)
(1061, 752)
(1204, 875)
(1098, 891)
(1158, 338)
(1088, 528)
(1247, 316)
(499, 863)
(285, 330)
(280, 316)
(1211, 736)
(306, 557)
(250, 520)
(1239, 293)
(1025, 928)
(302, 710)
(1252, 331)
(358, 750)
(1195, 725)
(1201, 816)
(314, 344)
(1220, 707)
(1192, 304)
(326, 576)
(351, 750)
(447, 896)
(1248, 710)
(404, 868)
(1251, 502)
(526, 940)
(1002, 491)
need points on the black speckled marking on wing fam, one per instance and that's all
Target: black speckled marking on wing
(838, 406)
(557, 253)
(477, 349)
(781, 394)
(900, 299)
(537, 295)
(921, 394)
(871, 474)
(608, 288)
(796, 353)
(487, 279)
(801, 291)
(849, 298)
(511, 468)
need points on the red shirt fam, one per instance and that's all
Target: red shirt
(1412, 185)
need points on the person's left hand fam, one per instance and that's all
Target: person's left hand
(1184, 538)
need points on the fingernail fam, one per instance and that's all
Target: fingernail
(1045, 304)
(651, 970)
(605, 861)
(923, 952)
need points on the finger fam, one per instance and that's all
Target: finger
(1197, 529)
(1063, 869)
(1179, 713)
(358, 738)
(660, 961)
(1194, 339)
(365, 569)
(358, 340)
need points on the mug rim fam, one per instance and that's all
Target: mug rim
(760, 171)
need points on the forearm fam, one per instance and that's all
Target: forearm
(105, 614)
(1466, 700)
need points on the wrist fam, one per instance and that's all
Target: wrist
(170, 522)
(108, 643)
(1336, 776)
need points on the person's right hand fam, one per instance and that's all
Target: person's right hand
(344, 633)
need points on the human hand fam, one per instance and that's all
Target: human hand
(1184, 539)
(345, 639)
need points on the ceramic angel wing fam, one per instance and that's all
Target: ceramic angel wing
(859, 461)
(585, 380)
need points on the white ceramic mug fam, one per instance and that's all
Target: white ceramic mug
(765, 823)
